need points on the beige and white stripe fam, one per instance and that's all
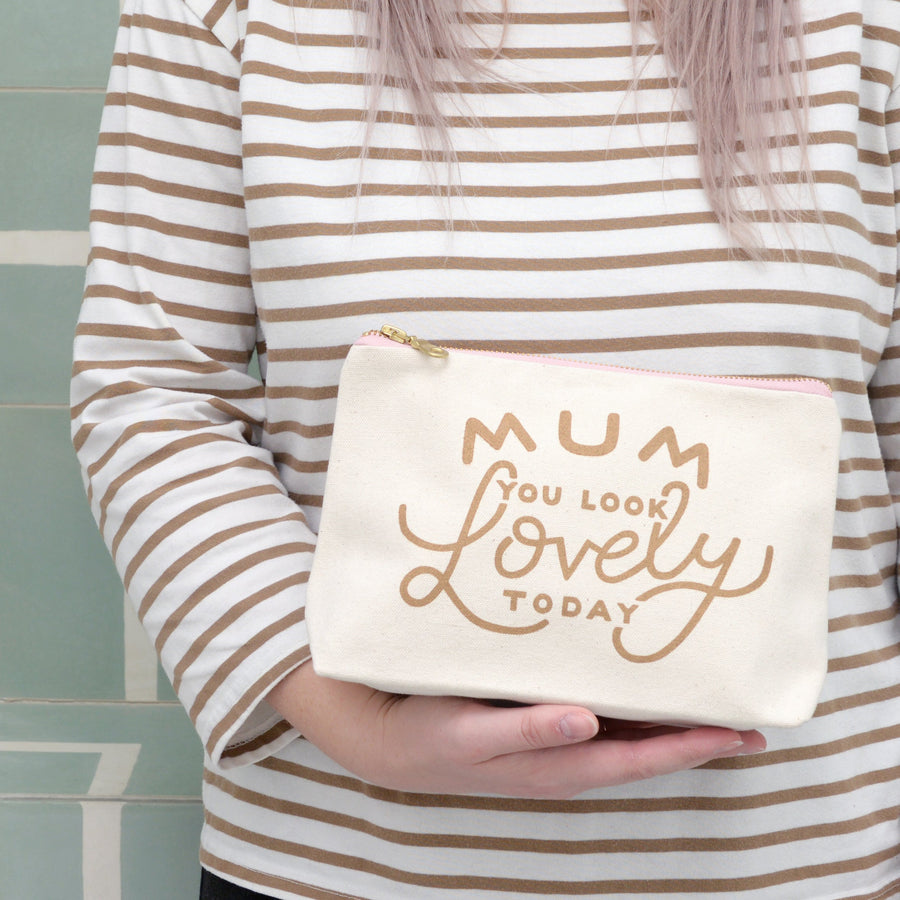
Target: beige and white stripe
(232, 213)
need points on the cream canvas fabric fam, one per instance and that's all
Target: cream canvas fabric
(653, 547)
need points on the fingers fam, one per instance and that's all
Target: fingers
(563, 772)
(453, 745)
(663, 754)
(486, 732)
(547, 752)
(752, 741)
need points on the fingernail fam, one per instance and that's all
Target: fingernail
(749, 749)
(578, 727)
(739, 748)
(729, 747)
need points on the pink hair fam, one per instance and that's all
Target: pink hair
(740, 63)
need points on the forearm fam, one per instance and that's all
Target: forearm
(167, 418)
(453, 745)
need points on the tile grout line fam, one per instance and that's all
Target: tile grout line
(49, 701)
(34, 406)
(62, 89)
(151, 799)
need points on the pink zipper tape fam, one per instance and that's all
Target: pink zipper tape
(803, 385)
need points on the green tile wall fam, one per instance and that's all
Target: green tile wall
(53, 43)
(26, 827)
(99, 769)
(152, 833)
(46, 154)
(43, 303)
(58, 586)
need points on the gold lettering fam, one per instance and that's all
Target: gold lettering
(507, 488)
(709, 594)
(509, 423)
(557, 496)
(599, 609)
(666, 438)
(442, 579)
(571, 607)
(526, 539)
(568, 443)
(514, 598)
(609, 502)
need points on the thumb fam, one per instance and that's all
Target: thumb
(515, 729)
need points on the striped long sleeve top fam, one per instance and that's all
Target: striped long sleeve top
(232, 213)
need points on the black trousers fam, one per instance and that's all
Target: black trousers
(214, 888)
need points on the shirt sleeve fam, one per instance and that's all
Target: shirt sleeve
(884, 388)
(166, 415)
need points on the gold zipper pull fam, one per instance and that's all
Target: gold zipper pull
(401, 337)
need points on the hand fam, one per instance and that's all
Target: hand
(451, 745)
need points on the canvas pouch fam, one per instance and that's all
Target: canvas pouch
(651, 546)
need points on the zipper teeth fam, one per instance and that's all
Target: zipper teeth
(597, 365)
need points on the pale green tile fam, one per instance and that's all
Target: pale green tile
(164, 687)
(40, 306)
(170, 760)
(57, 43)
(254, 365)
(46, 773)
(160, 849)
(47, 146)
(61, 610)
(41, 851)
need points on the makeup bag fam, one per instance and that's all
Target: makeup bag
(652, 546)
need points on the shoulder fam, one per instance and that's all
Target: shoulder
(226, 19)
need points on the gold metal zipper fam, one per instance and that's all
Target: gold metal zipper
(401, 337)
(429, 349)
